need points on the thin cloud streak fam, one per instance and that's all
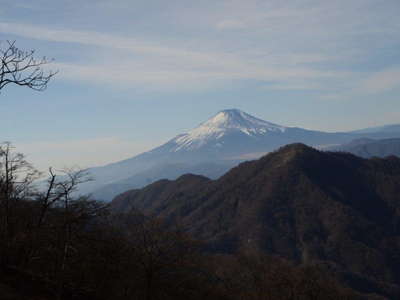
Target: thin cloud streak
(302, 45)
(369, 84)
(170, 67)
(382, 81)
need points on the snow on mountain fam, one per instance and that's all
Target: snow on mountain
(223, 140)
(223, 123)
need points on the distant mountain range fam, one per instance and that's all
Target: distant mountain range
(331, 209)
(371, 148)
(393, 128)
(212, 148)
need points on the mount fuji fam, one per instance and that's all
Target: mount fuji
(211, 149)
(234, 134)
(212, 133)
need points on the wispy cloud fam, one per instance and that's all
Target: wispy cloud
(319, 50)
(306, 44)
(141, 62)
(382, 81)
(368, 84)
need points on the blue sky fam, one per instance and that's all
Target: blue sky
(133, 74)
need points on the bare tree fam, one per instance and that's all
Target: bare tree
(16, 181)
(20, 67)
(158, 257)
(17, 190)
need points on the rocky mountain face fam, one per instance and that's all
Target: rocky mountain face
(335, 210)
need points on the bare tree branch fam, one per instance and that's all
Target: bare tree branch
(21, 68)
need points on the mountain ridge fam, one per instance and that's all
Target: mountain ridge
(227, 138)
(371, 147)
(332, 209)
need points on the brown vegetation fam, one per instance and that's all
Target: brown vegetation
(56, 246)
(332, 210)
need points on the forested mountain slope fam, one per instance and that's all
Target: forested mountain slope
(332, 209)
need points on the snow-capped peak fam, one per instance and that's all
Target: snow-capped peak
(224, 122)
(237, 119)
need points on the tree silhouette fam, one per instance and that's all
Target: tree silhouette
(21, 68)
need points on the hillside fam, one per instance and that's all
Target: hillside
(170, 171)
(335, 210)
